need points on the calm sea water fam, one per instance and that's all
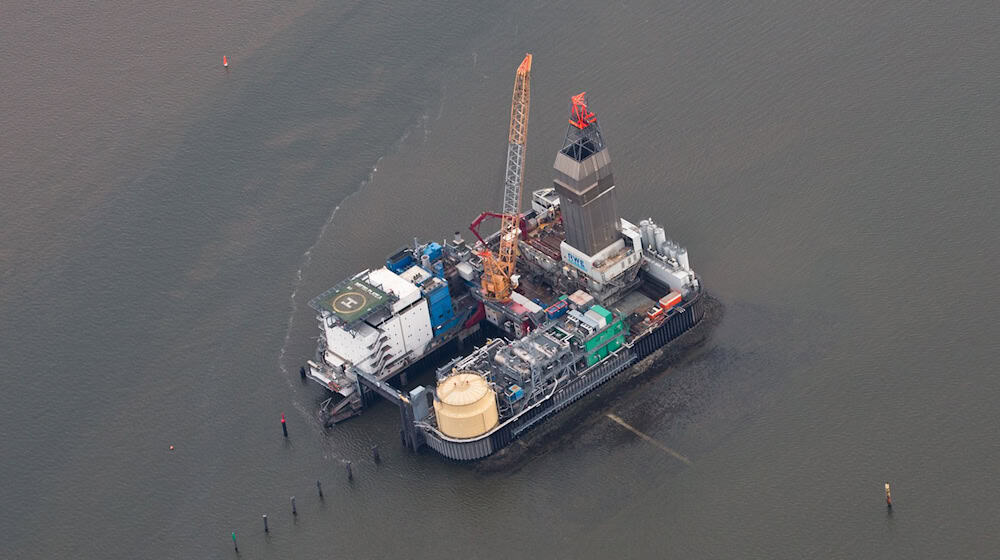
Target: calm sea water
(833, 169)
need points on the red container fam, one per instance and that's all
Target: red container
(670, 300)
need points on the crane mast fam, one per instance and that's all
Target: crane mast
(497, 270)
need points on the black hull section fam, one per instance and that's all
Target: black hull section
(673, 327)
(472, 449)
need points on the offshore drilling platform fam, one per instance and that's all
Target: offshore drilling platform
(575, 293)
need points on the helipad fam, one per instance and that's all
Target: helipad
(351, 300)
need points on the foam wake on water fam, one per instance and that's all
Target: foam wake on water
(305, 408)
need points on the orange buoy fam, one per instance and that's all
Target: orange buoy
(225, 62)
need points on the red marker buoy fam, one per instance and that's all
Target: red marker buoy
(225, 62)
(284, 428)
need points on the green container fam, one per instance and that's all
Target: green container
(604, 342)
(608, 316)
(613, 330)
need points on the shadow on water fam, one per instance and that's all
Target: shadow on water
(694, 382)
(567, 427)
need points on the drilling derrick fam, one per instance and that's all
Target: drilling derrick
(585, 184)
(497, 269)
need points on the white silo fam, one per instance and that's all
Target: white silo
(648, 235)
(682, 258)
(661, 240)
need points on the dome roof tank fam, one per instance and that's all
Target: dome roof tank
(465, 406)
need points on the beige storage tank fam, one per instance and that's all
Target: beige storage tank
(465, 405)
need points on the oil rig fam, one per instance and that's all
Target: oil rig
(569, 293)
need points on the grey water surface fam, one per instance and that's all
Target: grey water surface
(831, 166)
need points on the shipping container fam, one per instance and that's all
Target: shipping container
(581, 300)
(557, 309)
(400, 261)
(597, 318)
(670, 300)
(608, 316)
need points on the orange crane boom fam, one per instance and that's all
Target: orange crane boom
(498, 269)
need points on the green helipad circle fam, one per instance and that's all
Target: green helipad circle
(348, 302)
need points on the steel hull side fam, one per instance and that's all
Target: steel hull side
(473, 449)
